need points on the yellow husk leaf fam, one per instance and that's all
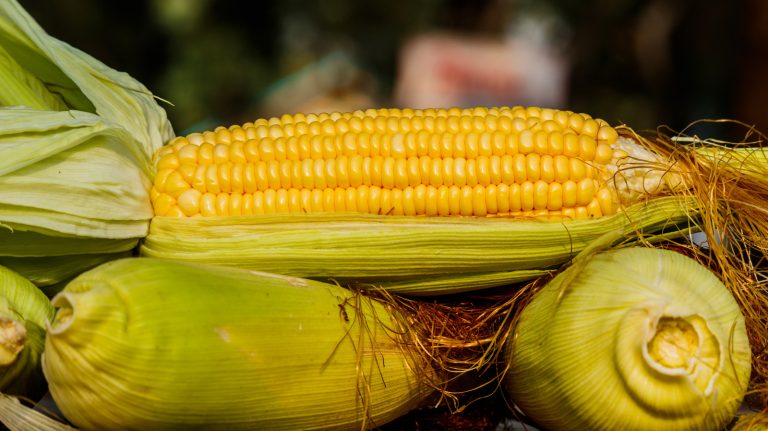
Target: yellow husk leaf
(414, 255)
(17, 417)
(630, 339)
(151, 344)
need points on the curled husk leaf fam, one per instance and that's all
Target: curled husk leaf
(630, 339)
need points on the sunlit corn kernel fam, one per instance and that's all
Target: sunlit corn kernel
(516, 197)
(533, 167)
(561, 168)
(571, 145)
(163, 204)
(577, 169)
(603, 153)
(547, 168)
(187, 171)
(607, 134)
(593, 209)
(169, 161)
(175, 184)
(568, 213)
(570, 192)
(189, 202)
(195, 138)
(590, 128)
(587, 147)
(607, 201)
(540, 195)
(527, 196)
(576, 122)
(208, 204)
(585, 192)
(502, 199)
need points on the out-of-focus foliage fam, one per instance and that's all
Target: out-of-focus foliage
(646, 63)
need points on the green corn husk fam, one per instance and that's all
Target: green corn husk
(145, 343)
(76, 140)
(71, 184)
(413, 255)
(630, 339)
(74, 77)
(24, 313)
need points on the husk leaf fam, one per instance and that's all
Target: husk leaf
(414, 255)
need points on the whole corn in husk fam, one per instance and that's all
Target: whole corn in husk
(630, 339)
(24, 313)
(144, 343)
(76, 140)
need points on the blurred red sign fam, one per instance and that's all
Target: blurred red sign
(446, 71)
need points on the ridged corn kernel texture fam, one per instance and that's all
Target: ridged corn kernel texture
(507, 161)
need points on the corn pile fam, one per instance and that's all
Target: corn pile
(269, 275)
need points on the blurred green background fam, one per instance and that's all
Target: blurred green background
(644, 63)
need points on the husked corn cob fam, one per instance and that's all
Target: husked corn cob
(529, 162)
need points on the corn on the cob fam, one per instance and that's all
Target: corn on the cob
(405, 166)
(141, 344)
(472, 162)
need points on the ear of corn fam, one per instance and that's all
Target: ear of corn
(24, 312)
(151, 344)
(414, 255)
(340, 195)
(630, 339)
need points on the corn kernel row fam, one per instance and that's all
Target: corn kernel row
(401, 145)
(531, 198)
(385, 172)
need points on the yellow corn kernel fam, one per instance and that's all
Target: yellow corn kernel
(208, 204)
(585, 191)
(526, 142)
(169, 161)
(163, 204)
(527, 196)
(540, 195)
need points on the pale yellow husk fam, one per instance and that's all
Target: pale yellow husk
(151, 344)
(630, 339)
(413, 255)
